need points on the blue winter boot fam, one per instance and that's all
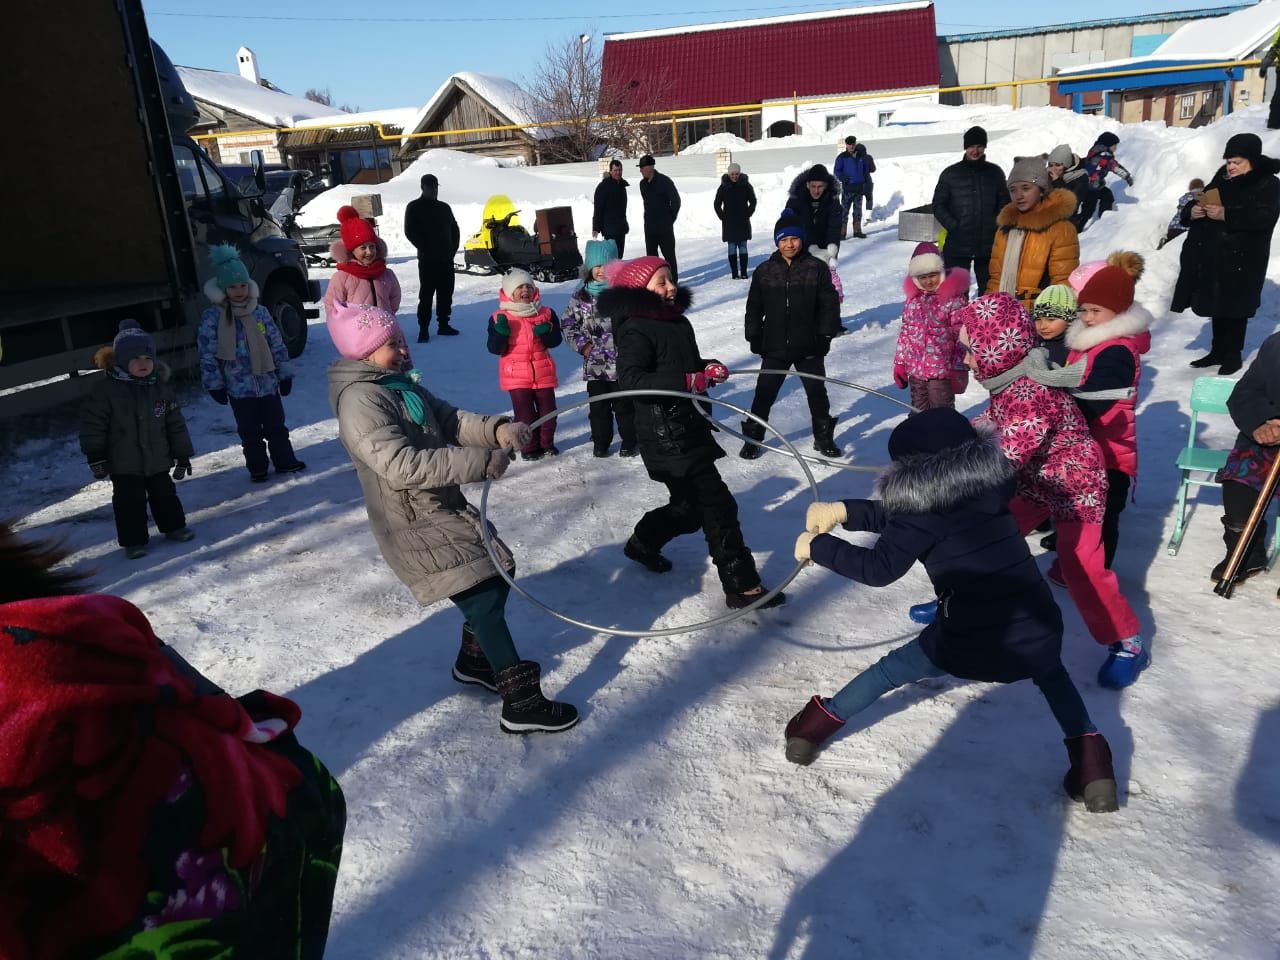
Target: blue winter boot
(924, 613)
(1127, 659)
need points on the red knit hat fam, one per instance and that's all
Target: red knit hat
(356, 231)
(1110, 287)
(633, 273)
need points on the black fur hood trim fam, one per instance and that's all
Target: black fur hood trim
(937, 483)
(619, 302)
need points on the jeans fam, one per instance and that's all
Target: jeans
(737, 248)
(484, 606)
(979, 267)
(528, 405)
(436, 282)
(130, 494)
(768, 385)
(260, 423)
(603, 413)
(909, 663)
(850, 199)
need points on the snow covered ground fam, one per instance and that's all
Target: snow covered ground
(668, 823)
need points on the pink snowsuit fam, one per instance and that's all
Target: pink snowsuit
(1060, 472)
(927, 350)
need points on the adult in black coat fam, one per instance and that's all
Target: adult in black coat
(661, 207)
(1228, 245)
(792, 315)
(657, 350)
(734, 204)
(944, 501)
(429, 225)
(814, 197)
(966, 201)
(609, 212)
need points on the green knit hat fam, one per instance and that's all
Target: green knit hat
(1057, 301)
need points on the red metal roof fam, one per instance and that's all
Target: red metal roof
(748, 62)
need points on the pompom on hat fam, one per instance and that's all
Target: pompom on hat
(356, 230)
(358, 329)
(633, 273)
(1057, 302)
(925, 259)
(132, 342)
(228, 268)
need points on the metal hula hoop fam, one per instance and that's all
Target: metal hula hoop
(487, 538)
(838, 465)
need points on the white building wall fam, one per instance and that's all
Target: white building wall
(821, 117)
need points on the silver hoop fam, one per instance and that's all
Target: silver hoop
(487, 538)
(836, 464)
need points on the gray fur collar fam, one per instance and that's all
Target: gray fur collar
(942, 481)
(1137, 319)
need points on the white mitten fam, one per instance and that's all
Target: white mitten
(825, 517)
(499, 460)
(513, 435)
(817, 251)
(802, 546)
(832, 252)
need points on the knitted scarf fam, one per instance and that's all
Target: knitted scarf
(260, 359)
(405, 386)
(375, 269)
(1012, 256)
(1035, 365)
(517, 309)
(595, 287)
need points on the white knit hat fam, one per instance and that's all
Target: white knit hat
(925, 259)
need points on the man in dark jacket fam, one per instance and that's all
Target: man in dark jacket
(734, 204)
(968, 197)
(430, 227)
(792, 314)
(609, 212)
(814, 197)
(853, 170)
(661, 207)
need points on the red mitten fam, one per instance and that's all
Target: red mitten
(716, 372)
(959, 381)
(900, 375)
(696, 382)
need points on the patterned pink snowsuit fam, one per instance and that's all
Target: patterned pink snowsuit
(927, 346)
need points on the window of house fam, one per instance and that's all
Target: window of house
(883, 118)
(835, 119)
(1187, 106)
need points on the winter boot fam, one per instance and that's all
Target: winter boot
(1091, 779)
(824, 429)
(752, 431)
(1230, 364)
(739, 601)
(524, 708)
(445, 329)
(424, 335)
(649, 559)
(135, 553)
(733, 266)
(857, 230)
(742, 266)
(1255, 558)
(181, 535)
(923, 613)
(844, 231)
(472, 666)
(1125, 660)
(808, 730)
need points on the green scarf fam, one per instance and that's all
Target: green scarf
(595, 287)
(406, 386)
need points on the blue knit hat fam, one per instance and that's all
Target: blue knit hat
(788, 225)
(599, 252)
(132, 342)
(228, 268)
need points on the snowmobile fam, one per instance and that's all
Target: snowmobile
(503, 244)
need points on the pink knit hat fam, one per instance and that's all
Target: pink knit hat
(633, 273)
(1083, 274)
(358, 329)
(925, 259)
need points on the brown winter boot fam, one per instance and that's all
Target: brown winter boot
(808, 730)
(472, 666)
(1091, 779)
(524, 708)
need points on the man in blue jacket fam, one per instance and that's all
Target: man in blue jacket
(853, 169)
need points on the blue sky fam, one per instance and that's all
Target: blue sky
(395, 53)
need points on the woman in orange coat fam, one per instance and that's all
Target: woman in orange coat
(1035, 243)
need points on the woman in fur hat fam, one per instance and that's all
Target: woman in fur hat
(1035, 244)
(944, 501)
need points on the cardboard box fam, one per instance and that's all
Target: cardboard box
(368, 205)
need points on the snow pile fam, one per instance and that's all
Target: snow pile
(400, 117)
(234, 92)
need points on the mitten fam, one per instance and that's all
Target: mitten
(513, 434)
(1129, 180)
(959, 381)
(499, 460)
(817, 251)
(716, 372)
(502, 325)
(182, 468)
(823, 517)
(833, 251)
(696, 382)
(541, 329)
(99, 468)
(802, 545)
(900, 375)
(219, 396)
(286, 385)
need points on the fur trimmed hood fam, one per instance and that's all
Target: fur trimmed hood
(742, 178)
(1058, 205)
(105, 359)
(955, 283)
(1133, 322)
(217, 296)
(798, 187)
(937, 483)
(618, 303)
(339, 253)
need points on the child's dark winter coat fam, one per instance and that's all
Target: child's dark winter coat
(136, 426)
(997, 620)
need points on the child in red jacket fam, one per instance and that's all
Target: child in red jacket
(522, 332)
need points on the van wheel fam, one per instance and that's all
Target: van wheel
(285, 307)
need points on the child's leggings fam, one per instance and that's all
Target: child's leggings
(931, 394)
(528, 405)
(1081, 558)
(484, 606)
(909, 663)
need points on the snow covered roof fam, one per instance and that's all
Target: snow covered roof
(1233, 37)
(233, 92)
(503, 95)
(768, 21)
(400, 117)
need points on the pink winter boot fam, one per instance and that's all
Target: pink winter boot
(1091, 779)
(808, 729)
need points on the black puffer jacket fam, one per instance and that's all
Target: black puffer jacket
(656, 348)
(661, 202)
(792, 309)
(136, 426)
(1224, 262)
(609, 213)
(821, 217)
(430, 226)
(966, 201)
(735, 203)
